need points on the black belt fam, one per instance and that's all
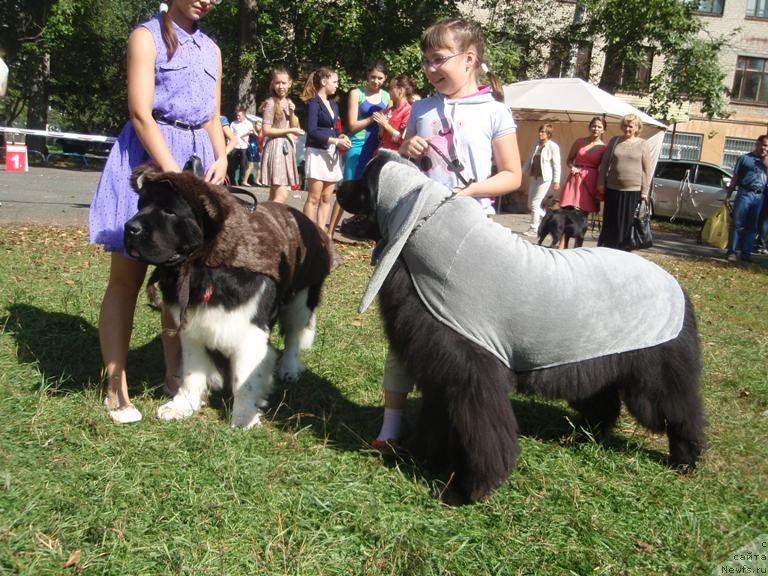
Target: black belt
(175, 123)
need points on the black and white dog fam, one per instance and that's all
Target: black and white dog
(227, 274)
(467, 308)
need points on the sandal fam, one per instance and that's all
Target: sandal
(126, 415)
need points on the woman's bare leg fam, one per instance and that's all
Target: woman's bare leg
(278, 194)
(126, 277)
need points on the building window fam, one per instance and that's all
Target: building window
(757, 8)
(735, 147)
(749, 81)
(687, 146)
(566, 61)
(636, 76)
(711, 7)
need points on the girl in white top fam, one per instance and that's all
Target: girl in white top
(457, 136)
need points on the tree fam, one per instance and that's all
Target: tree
(306, 34)
(69, 55)
(22, 36)
(520, 34)
(633, 29)
(628, 32)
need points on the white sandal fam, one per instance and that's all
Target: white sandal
(127, 415)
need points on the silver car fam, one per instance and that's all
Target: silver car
(688, 189)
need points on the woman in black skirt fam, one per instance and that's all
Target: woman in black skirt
(623, 181)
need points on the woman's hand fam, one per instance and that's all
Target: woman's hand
(217, 171)
(343, 142)
(463, 190)
(381, 119)
(575, 170)
(415, 146)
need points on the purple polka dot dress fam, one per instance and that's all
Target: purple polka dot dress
(185, 90)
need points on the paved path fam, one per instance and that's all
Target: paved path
(61, 197)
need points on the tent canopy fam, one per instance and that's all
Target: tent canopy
(569, 104)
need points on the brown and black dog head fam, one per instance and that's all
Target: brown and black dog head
(177, 213)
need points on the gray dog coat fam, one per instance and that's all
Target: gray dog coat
(531, 307)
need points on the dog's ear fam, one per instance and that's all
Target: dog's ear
(354, 196)
(216, 201)
(143, 173)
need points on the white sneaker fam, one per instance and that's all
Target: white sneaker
(530, 232)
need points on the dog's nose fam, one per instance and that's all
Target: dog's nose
(133, 228)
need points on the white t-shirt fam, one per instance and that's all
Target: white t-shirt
(241, 128)
(463, 129)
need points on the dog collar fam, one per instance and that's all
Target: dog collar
(207, 294)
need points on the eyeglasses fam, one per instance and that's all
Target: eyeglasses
(438, 61)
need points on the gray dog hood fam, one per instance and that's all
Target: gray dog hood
(530, 306)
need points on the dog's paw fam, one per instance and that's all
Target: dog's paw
(175, 410)
(246, 419)
(289, 369)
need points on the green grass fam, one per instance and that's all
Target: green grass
(303, 495)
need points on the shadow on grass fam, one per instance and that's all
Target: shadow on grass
(314, 403)
(65, 349)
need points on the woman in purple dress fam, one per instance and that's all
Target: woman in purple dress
(174, 88)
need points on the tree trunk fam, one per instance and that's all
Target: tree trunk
(37, 104)
(247, 35)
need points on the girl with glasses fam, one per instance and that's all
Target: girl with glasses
(464, 137)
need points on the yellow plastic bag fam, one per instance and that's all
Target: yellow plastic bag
(715, 229)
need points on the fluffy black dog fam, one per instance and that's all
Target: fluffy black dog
(466, 425)
(227, 273)
(562, 225)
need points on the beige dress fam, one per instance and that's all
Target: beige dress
(278, 162)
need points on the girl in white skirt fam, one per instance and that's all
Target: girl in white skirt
(324, 141)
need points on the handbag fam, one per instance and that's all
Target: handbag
(716, 228)
(640, 232)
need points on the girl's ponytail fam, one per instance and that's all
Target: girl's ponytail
(493, 80)
(315, 81)
(170, 39)
(309, 91)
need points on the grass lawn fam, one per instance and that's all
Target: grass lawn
(304, 495)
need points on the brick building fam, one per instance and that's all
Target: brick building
(744, 61)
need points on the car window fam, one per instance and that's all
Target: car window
(672, 170)
(709, 176)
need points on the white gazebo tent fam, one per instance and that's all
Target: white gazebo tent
(569, 104)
